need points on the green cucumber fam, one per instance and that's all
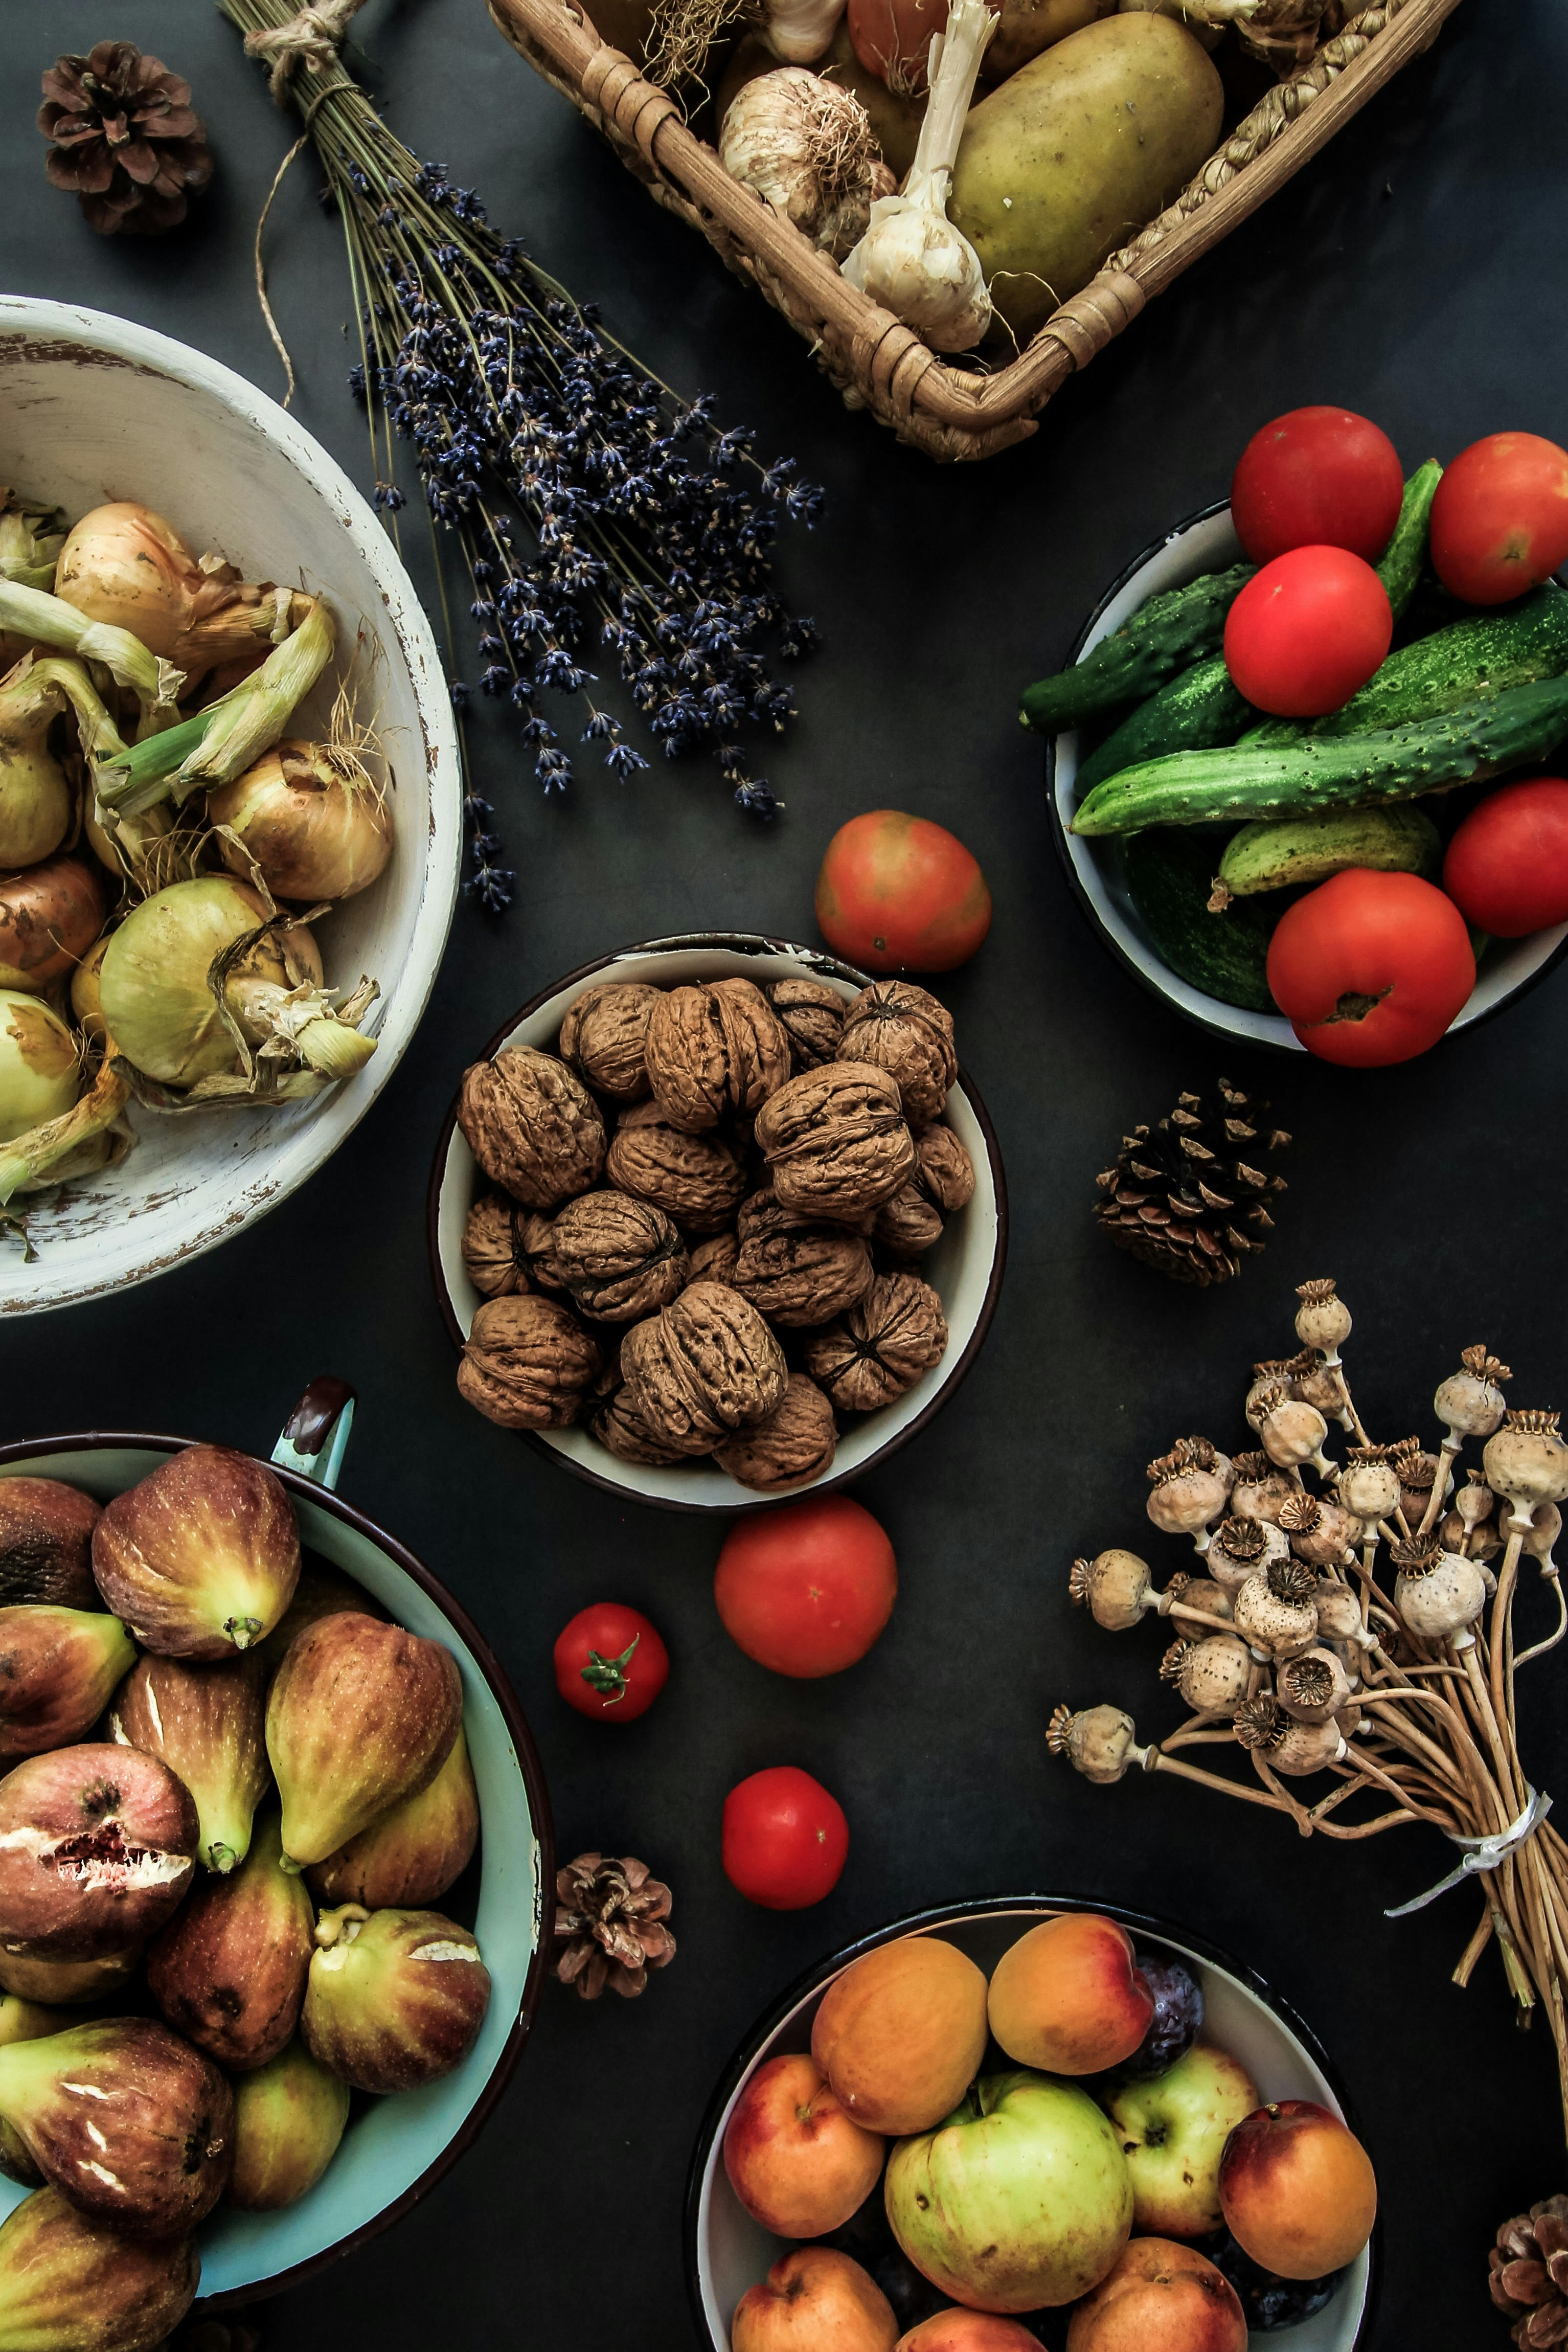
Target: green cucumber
(1404, 559)
(1169, 875)
(1193, 713)
(1285, 852)
(1170, 631)
(1396, 764)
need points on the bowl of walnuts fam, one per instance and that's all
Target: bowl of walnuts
(718, 1219)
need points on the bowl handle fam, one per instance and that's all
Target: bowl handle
(315, 1435)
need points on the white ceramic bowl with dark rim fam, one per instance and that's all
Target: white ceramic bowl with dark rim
(965, 1268)
(727, 2251)
(398, 2147)
(1208, 542)
(93, 408)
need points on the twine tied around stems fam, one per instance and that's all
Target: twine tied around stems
(1482, 1853)
(312, 38)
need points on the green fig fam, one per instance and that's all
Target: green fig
(206, 1722)
(68, 1983)
(360, 1715)
(321, 1591)
(228, 1971)
(58, 1667)
(201, 1558)
(412, 1853)
(68, 2285)
(395, 1997)
(289, 2118)
(25, 2021)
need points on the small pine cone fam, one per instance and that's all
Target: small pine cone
(610, 1925)
(1186, 1195)
(1528, 2274)
(123, 138)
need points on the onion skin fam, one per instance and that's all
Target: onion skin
(201, 1558)
(50, 915)
(40, 1074)
(66, 2280)
(87, 1003)
(312, 835)
(124, 564)
(35, 805)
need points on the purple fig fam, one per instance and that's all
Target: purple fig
(129, 2122)
(412, 1853)
(229, 1969)
(96, 1846)
(202, 1558)
(68, 1983)
(360, 1715)
(289, 2118)
(66, 2282)
(321, 1591)
(46, 1543)
(207, 1723)
(58, 1667)
(395, 1997)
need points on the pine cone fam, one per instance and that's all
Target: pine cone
(1180, 1193)
(610, 1925)
(123, 137)
(1529, 2279)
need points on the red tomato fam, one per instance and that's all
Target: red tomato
(1371, 968)
(806, 1590)
(785, 1838)
(897, 893)
(1317, 477)
(893, 38)
(1307, 631)
(1500, 521)
(1507, 867)
(610, 1662)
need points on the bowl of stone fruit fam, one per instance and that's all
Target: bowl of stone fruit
(718, 1219)
(1027, 2122)
(250, 1747)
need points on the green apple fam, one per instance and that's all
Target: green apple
(1020, 2199)
(1173, 2130)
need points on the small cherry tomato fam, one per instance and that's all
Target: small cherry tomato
(897, 893)
(805, 1590)
(1371, 968)
(1307, 631)
(1317, 477)
(1500, 521)
(610, 1662)
(1507, 867)
(785, 1838)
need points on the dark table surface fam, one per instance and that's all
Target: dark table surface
(1410, 272)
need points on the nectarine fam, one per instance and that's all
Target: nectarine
(1068, 1998)
(1297, 2190)
(900, 2036)
(796, 2162)
(814, 2300)
(957, 2330)
(1160, 2297)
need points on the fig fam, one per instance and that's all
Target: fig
(289, 2118)
(69, 1982)
(395, 1997)
(412, 1853)
(129, 2122)
(66, 2283)
(96, 1846)
(360, 1715)
(321, 1591)
(58, 1667)
(206, 1722)
(201, 1558)
(30, 2020)
(228, 1971)
(46, 1543)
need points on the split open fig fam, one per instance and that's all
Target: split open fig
(360, 1715)
(58, 1668)
(395, 1997)
(229, 1969)
(46, 1543)
(64, 2280)
(201, 1558)
(96, 1850)
(412, 1853)
(288, 2119)
(206, 1721)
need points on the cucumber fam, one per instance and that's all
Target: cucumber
(1404, 559)
(1163, 637)
(1345, 771)
(1286, 852)
(1169, 874)
(1193, 713)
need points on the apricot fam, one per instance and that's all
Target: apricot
(957, 2330)
(796, 2162)
(1297, 2190)
(814, 2300)
(1161, 2297)
(1068, 1999)
(900, 2036)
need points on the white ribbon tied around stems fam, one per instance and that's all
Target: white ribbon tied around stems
(1482, 1853)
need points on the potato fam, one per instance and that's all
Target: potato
(1029, 25)
(1069, 159)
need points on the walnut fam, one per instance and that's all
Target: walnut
(617, 1425)
(538, 1253)
(713, 1260)
(603, 1034)
(794, 1272)
(713, 1048)
(884, 1344)
(945, 1174)
(813, 1018)
(527, 1363)
(492, 1246)
(620, 1258)
(903, 1030)
(707, 1365)
(532, 1126)
(697, 1180)
(908, 1226)
(797, 1441)
(835, 1141)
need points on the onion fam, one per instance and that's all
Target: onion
(124, 851)
(310, 817)
(35, 805)
(49, 917)
(125, 565)
(85, 997)
(155, 994)
(41, 1076)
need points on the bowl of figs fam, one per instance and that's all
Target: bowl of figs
(274, 1854)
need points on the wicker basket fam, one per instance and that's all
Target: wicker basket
(876, 362)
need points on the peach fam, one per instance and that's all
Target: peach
(958, 2330)
(1161, 2297)
(814, 2300)
(1067, 1997)
(1297, 2190)
(900, 2036)
(796, 2162)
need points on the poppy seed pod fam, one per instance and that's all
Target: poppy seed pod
(1242, 1547)
(1287, 1745)
(1194, 1592)
(1320, 1532)
(1116, 1587)
(1101, 1742)
(1313, 1686)
(1469, 1403)
(1527, 1459)
(1191, 1485)
(1438, 1595)
(1260, 1491)
(1212, 1674)
(1322, 1318)
(1546, 1526)
(1277, 1611)
(1292, 1432)
(1368, 1486)
(1339, 1615)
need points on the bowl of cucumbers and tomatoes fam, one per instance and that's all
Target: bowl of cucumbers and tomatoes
(1201, 831)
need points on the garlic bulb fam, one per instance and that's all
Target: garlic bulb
(911, 259)
(1527, 1461)
(1287, 1745)
(1469, 1403)
(1243, 1547)
(1438, 1593)
(1321, 1533)
(1322, 1318)
(799, 31)
(1313, 1686)
(1117, 1587)
(806, 146)
(1101, 1742)
(1191, 1485)
(1260, 1491)
(1212, 1676)
(1277, 1611)
(1292, 1432)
